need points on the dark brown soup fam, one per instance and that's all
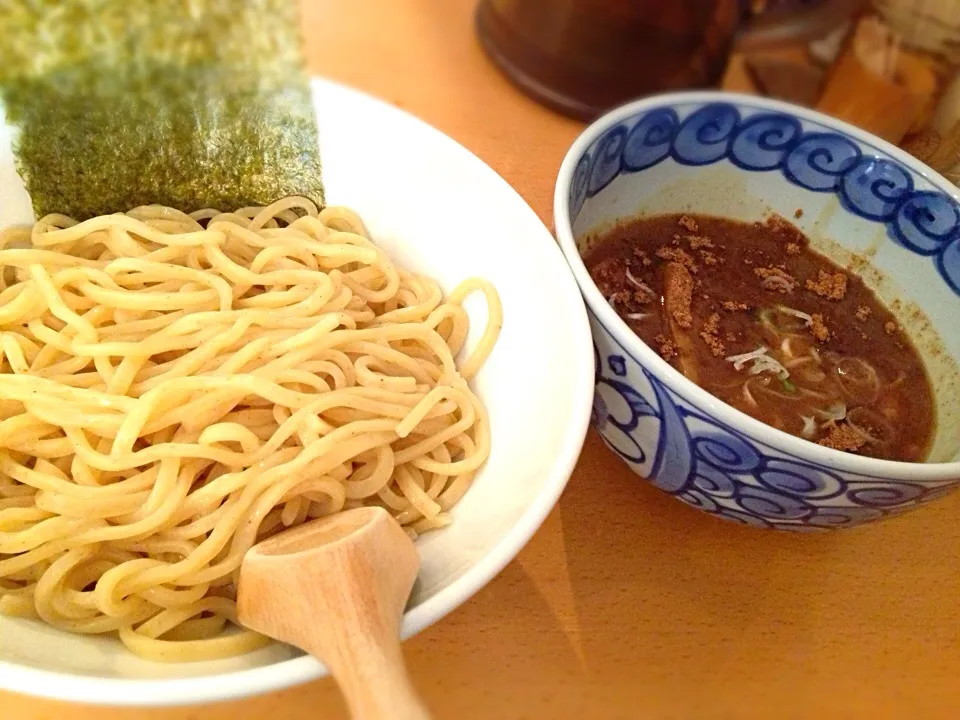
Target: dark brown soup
(755, 317)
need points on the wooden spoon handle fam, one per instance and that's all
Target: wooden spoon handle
(337, 587)
(375, 682)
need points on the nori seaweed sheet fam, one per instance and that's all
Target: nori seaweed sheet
(187, 103)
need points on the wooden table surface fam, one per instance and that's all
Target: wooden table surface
(627, 604)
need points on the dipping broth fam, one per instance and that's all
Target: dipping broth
(754, 316)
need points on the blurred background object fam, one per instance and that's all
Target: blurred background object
(929, 26)
(887, 66)
(878, 84)
(894, 69)
(786, 78)
(943, 135)
(582, 57)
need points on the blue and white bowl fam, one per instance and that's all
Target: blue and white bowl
(866, 205)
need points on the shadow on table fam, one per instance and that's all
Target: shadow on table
(702, 613)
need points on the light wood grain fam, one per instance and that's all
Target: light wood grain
(627, 604)
(336, 588)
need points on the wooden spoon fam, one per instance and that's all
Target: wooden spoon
(336, 588)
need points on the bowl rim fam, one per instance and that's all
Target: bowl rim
(231, 685)
(642, 354)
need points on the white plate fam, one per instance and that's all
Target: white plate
(439, 210)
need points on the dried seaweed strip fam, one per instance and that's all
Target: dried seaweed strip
(185, 103)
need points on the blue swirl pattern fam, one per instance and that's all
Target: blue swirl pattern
(650, 140)
(874, 188)
(712, 467)
(820, 160)
(606, 160)
(868, 184)
(705, 136)
(763, 140)
(926, 222)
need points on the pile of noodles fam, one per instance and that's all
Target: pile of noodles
(176, 387)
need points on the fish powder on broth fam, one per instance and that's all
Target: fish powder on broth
(754, 316)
